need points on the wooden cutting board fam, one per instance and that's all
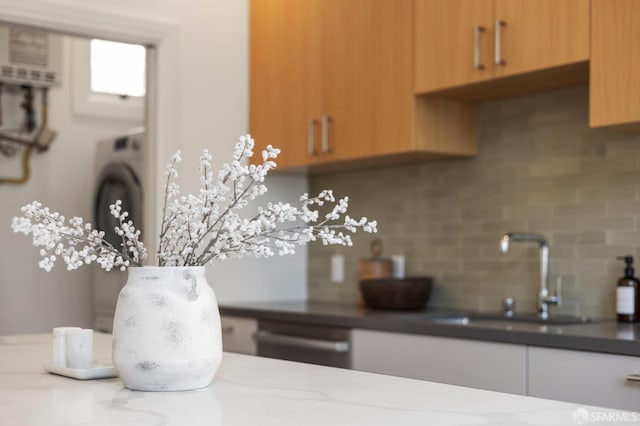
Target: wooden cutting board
(376, 266)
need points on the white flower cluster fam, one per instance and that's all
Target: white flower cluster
(197, 230)
(76, 242)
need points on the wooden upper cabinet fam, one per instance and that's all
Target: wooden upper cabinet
(332, 80)
(346, 119)
(461, 44)
(285, 92)
(454, 43)
(368, 103)
(332, 85)
(539, 34)
(615, 63)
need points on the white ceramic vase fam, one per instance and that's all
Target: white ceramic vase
(166, 330)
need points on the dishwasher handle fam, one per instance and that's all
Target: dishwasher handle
(301, 342)
(633, 377)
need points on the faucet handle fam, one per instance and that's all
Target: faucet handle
(553, 299)
(508, 306)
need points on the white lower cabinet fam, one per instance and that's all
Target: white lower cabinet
(237, 334)
(584, 377)
(483, 365)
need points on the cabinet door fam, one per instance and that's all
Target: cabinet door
(447, 41)
(540, 34)
(285, 91)
(483, 365)
(584, 377)
(237, 334)
(367, 80)
(615, 61)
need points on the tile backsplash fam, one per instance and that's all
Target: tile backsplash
(539, 169)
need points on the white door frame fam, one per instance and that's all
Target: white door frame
(162, 35)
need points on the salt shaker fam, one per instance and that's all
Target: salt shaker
(60, 345)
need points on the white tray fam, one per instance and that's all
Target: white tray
(98, 371)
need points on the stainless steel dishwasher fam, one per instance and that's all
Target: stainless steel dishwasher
(312, 344)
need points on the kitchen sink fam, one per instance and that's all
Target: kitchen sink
(526, 318)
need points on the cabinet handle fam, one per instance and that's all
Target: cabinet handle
(633, 377)
(301, 342)
(311, 129)
(325, 133)
(228, 329)
(498, 47)
(477, 31)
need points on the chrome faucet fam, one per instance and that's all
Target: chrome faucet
(545, 298)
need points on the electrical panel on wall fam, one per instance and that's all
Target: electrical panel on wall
(30, 57)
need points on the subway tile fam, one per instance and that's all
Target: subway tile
(430, 266)
(623, 178)
(444, 213)
(498, 228)
(609, 166)
(461, 228)
(481, 214)
(554, 116)
(561, 266)
(555, 167)
(588, 282)
(524, 211)
(564, 251)
(620, 207)
(570, 306)
(602, 251)
(573, 182)
(482, 266)
(626, 237)
(592, 148)
(437, 241)
(546, 142)
(609, 193)
(581, 237)
(478, 240)
(463, 252)
(627, 147)
(600, 293)
(579, 209)
(568, 283)
(590, 266)
(562, 223)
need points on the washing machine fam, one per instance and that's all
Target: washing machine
(119, 172)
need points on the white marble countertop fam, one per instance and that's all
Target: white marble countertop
(253, 391)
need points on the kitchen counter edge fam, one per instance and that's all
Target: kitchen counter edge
(604, 336)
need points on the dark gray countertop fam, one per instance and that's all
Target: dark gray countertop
(606, 336)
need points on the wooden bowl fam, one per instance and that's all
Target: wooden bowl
(389, 293)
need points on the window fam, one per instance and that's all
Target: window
(117, 68)
(109, 80)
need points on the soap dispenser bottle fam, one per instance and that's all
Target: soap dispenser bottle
(627, 294)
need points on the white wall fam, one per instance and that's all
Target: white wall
(209, 101)
(62, 178)
(274, 278)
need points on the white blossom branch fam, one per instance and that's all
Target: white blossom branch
(197, 229)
